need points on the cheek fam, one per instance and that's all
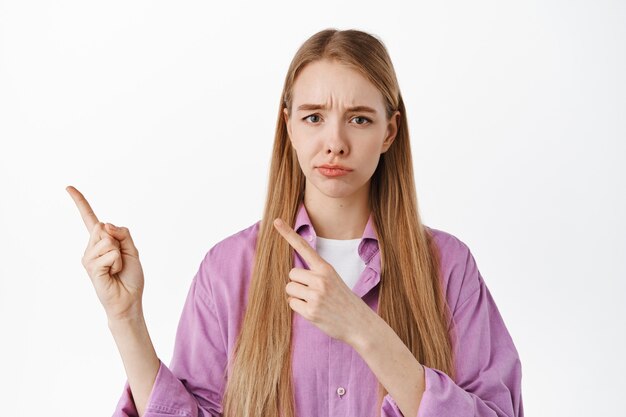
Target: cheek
(304, 157)
(370, 160)
(303, 147)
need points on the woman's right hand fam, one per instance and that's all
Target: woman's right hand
(112, 262)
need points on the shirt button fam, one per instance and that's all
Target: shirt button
(310, 238)
(341, 391)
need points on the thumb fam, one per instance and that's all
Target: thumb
(122, 234)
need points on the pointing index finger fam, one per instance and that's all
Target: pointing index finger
(299, 244)
(86, 212)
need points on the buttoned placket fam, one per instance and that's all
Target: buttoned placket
(339, 353)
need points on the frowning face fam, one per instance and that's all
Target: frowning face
(338, 118)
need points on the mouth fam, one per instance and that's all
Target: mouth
(335, 166)
(333, 172)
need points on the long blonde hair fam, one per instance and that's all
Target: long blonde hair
(410, 295)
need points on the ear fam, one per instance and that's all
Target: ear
(392, 131)
(288, 124)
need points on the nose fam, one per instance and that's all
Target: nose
(336, 143)
(335, 148)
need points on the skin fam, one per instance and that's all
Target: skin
(339, 209)
(112, 262)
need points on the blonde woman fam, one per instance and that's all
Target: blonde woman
(349, 306)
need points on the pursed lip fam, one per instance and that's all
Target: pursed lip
(335, 167)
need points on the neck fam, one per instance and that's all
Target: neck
(338, 218)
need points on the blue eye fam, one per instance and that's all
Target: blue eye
(364, 118)
(311, 115)
(355, 117)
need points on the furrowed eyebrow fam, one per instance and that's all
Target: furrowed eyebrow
(365, 109)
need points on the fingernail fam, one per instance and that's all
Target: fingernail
(111, 226)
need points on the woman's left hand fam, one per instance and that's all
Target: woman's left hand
(321, 296)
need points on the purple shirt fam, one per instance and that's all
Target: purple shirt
(329, 377)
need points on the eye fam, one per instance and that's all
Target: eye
(364, 118)
(310, 115)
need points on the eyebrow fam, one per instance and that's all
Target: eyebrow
(322, 107)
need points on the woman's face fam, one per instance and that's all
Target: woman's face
(334, 133)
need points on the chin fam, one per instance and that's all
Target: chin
(338, 195)
(336, 189)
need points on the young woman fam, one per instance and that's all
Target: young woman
(348, 307)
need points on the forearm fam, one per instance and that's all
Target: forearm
(393, 364)
(138, 355)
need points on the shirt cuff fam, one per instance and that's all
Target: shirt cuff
(168, 397)
(390, 408)
(441, 397)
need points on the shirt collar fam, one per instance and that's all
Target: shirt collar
(369, 241)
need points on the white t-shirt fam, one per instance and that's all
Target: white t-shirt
(343, 255)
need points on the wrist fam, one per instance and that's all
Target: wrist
(131, 319)
(368, 333)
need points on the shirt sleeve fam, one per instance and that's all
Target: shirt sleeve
(194, 382)
(488, 367)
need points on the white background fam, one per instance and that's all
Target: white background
(163, 115)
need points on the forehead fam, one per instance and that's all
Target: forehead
(334, 84)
